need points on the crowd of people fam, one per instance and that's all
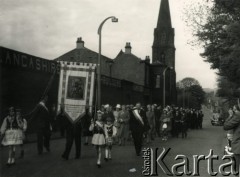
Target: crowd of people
(109, 126)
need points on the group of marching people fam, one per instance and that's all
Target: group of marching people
(109, 126)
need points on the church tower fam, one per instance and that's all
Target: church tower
(163, 75)
(163, 49)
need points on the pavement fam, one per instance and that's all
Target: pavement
(50, 164)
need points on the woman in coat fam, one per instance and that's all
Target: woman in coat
(234, 124)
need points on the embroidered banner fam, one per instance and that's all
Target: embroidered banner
(76, 89)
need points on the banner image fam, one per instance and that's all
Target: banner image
(76, 89)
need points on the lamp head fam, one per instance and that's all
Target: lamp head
(114, 19)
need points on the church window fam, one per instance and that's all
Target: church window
(157, 81)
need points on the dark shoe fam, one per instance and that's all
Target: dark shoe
(106, 159)
(99, 165)
(48, 149)
(64, 157)
(21, 155)
(85, 144)
(8, 164)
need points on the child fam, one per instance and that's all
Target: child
(23, 127)
(98, 138)
(12, 135)
(164, 131)
(110, 132)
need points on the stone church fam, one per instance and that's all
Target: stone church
(127, 79)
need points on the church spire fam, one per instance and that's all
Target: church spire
(164, 17)
(163, 44)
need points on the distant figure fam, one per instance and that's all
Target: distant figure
(151, 121)
(123, 130)
(23, 127)
(86, 122)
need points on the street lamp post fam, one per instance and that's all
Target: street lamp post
(164, 85)
(114, 19)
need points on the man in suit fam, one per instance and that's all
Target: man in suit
(138, 125)
(41, 119)
(73, 133)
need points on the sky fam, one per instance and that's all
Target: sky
(49, 29)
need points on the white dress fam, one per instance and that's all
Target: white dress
(13, 135)
(98, 133)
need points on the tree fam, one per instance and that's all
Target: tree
(215, 26)
(227, 89)
(190, 93)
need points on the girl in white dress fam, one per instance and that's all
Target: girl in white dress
(98, 139)
(12, 133)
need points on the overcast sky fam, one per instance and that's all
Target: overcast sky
(49, 28)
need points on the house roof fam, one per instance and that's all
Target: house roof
(130, 56)
(83, 55)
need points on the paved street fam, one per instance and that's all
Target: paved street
(50, 164)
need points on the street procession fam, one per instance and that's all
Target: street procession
(74, 103)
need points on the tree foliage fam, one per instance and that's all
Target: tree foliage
(190, 93)
(227, 89)
(215, 26)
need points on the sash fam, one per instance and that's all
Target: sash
(137, 116)
(99, 124)
(43, 105)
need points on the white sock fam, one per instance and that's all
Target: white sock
(106, 153)
(12, 160)
(9, 160)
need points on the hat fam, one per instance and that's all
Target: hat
(11, 108)
(118, 106)
(99, 112)
(106, 106)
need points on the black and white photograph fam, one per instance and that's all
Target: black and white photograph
(117, 88)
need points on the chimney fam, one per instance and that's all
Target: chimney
(128, 48)
(147, 59)
(80, 43)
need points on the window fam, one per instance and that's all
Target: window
(157, 81)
